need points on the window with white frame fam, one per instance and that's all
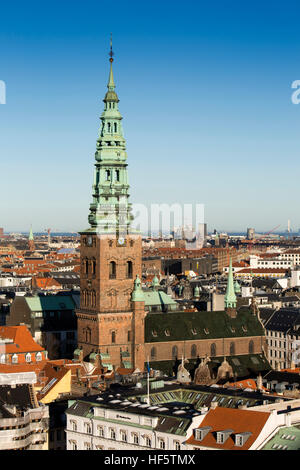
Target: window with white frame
(162, 444)
(176, 445)
(123, 435)
(148, 441)
(112, 433)
(88, 428)
(100, 430)
(87, 446)
(38, 356)
(14, 359)
(73, 425)
(73, 445)
(135, 438)
(28, 357)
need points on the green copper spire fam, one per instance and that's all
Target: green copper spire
(230, 297)
(137, 293)
(110, 210)
(30, 234)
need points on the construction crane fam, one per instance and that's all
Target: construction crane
(251, 242)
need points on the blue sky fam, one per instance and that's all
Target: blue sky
(205, 92)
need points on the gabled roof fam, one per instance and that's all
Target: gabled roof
(239, 421)
(22, 340)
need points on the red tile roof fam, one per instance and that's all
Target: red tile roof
(238, 420)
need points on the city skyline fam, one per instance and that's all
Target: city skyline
(208, 115)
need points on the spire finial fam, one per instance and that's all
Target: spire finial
(111, 53)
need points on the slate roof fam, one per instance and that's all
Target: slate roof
(183, 326)
(283, 320)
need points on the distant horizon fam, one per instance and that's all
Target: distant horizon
(205, 93)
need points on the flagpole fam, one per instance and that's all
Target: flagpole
(148, 382)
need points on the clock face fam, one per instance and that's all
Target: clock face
(121, 241)
(89, 241)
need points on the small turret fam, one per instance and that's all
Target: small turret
(137, 293)
(155, 282)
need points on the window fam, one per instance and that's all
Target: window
(38, 356)
(107, 175)
(176, 445)
(123, 435)
(129, 269)
(115, 127)
(112, 434)
(148, 441)
(213, 350)
(251, 347)
(93, 267)
(135, 438)
(88, 428)
(193, 350)
(167, 332)
(162, 444)
(117, 175)
(232, 349)
(73, 445)
(174, 352)
(113, 336)
(128, 335)
(2, 359)
(100, 430)
(112, 270)
(73, 425)
(14, 359)
(87, 446)
(153, 353)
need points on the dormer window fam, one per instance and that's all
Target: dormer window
(241, 438)
(244, 328)
(206, 331)
(194, 331)
(232, 329)
(167, 332)
(222, 436)
(200, 433)
(154, 333)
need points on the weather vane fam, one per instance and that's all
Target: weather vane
(111, 51)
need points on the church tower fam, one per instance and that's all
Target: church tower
(31, 244)
(111, 253)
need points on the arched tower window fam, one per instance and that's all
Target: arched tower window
(129, 269)
(86, 266)
(232, 349)
(107, 175)
(193, 350)
(113, 336)
(88, 334)
(117, 175)
(108, 127)
(115, 127)
(112, 270)
(93, 266)
(251, 347)
(213, 350)
(153, 353)
(174, 352)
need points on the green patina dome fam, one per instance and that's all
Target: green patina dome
(111, 96)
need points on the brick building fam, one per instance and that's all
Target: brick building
(119, 323)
